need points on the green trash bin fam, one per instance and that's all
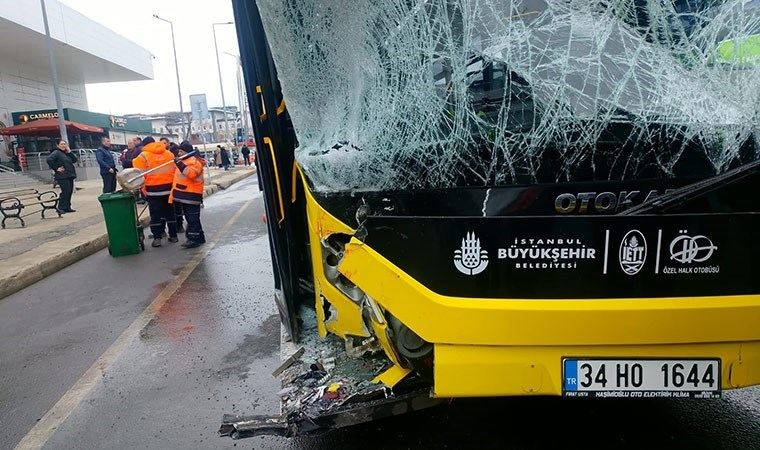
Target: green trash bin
(125, 235)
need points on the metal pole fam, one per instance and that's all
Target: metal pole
(241, 97)
(241, 100)
(54, 74)
(203, 140)
(176, 70)
(221, 85)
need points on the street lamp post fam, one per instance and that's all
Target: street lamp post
(242, 116)
(221, 85)
(176, 69)
(54, 74)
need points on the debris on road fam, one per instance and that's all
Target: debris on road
(288, 362)
(329, 384)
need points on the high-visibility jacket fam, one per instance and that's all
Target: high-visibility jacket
(188, 181)
(160, 182)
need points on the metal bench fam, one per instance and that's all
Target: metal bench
(13, 203)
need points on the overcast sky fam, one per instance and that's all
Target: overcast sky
(192, 19)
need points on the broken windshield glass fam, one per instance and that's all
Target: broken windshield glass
(401, 94)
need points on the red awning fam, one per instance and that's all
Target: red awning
(48, 127)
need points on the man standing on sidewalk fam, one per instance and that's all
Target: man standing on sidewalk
(61, 162)
(107, 165)
(225, 158)
(188, 191)
(158, 188)
(132, 154)
(139, 144)
(246, 155)
(129, 153)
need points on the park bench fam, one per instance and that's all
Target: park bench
(16, 204)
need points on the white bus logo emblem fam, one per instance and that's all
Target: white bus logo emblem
(633, 252)
(471, 259)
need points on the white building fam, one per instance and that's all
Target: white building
(85, 52)
(218, 124)
(210, 130)
(165, 124)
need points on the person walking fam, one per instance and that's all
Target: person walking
(107, 165)
(246, 155)
(16, 163)
(158, 189)
(225, 158)
(187, 190)
(61, 162)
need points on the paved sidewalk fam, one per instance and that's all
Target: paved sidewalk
(45, 246)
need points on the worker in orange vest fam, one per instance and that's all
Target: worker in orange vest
(158, 189)
(188, 190)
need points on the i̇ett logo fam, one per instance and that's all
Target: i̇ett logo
(633, 252)
(689, 249)
(470, 259)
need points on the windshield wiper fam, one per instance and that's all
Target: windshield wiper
(661, 204)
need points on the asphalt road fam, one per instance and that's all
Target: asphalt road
(212, 345)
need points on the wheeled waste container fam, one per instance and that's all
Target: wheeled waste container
(125, 235)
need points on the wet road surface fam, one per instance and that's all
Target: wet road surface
(211, 349)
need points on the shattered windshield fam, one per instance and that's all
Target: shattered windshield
(404, 94)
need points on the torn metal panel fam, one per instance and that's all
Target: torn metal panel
(238, 427)
(361, 408)
(336, 311)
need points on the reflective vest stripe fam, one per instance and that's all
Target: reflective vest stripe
(158, 189)
(166, 169)
(183, 176)
(198, 176)
(187, 197)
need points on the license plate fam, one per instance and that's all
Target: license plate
(664, 378)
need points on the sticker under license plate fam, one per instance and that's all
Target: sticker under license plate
(631, 378)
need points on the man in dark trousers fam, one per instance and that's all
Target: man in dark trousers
(246, 155)
(225, 158)
(61, 162)
(188, 190)
(107, 165)
(158, 188)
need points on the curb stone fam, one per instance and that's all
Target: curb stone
(26, 276)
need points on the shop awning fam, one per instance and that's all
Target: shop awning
(49, 128)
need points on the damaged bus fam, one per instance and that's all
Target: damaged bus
(505, 198)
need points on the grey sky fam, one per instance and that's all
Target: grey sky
(195, 51)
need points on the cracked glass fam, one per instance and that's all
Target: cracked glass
(395, 94)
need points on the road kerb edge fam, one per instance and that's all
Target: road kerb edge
(27, 276)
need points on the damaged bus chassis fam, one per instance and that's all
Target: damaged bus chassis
(611, 227)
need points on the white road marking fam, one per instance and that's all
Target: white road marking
(49, 423)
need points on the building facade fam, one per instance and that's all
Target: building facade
(118, 129)
(85, 52)
(211, 130)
